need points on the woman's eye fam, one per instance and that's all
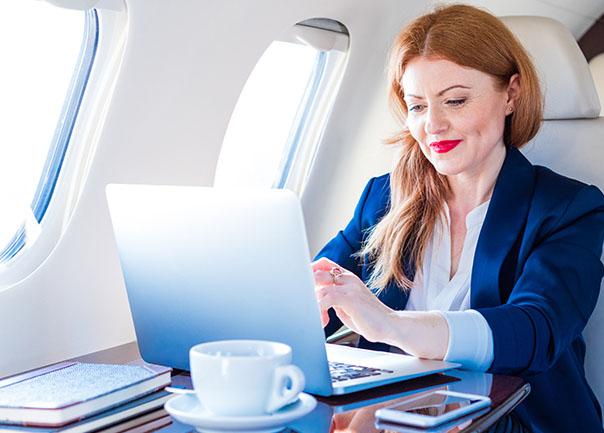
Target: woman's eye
(416, 108)
(456, 102)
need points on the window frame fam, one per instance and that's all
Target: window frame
(62, 136)
(85, 133)
(331, 40)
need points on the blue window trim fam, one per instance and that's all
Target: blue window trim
(62, 135)
(308, 102)
(14, 246)
(50, 173)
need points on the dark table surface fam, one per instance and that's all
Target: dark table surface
(355, 412)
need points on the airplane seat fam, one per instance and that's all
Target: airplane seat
(596, 65)
(571, 139)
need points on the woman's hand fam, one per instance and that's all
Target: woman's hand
(356, 306)
(421, 333)
(357, 421)
(363, 420)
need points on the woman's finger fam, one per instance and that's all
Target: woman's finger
(324, 264)
(328, 297)
(324, 318)
(333, 297)
(324, 278)
(346, 319)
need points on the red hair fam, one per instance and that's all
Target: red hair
(469, 37)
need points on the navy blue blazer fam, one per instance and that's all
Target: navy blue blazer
(535, 278)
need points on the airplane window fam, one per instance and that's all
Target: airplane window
(279, 118)
(45, 68)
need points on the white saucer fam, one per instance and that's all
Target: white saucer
(187, 409)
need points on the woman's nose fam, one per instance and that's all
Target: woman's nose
(436, 122)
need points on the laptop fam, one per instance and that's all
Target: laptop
(204, 264)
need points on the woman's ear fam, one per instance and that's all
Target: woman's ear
(513, 91)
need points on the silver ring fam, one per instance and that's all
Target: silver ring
(335, 272)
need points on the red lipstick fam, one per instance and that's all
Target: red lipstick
(444, 146)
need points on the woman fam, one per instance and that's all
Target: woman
(475, 255)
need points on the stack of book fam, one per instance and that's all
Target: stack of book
(74, 397)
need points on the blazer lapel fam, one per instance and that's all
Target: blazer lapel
(502, 227)
(394, 296)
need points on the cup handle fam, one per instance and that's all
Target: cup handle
(281, 394)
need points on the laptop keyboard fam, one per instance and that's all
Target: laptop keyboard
(340, 371)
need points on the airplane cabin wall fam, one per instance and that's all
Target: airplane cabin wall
(184, 65)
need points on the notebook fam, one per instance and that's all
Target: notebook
(125, 417)
(65, 392)
(204, 264)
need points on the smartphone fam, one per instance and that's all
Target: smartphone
(446, 427)
(432, 408)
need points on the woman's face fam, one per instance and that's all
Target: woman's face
(457, 115)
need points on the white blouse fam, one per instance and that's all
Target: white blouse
(470, 337)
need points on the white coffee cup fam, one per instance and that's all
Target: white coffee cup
(244, 377)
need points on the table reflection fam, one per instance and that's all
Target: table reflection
(360, 416)
(356, 413)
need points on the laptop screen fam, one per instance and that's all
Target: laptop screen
(203, 264)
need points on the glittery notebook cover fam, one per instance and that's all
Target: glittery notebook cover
(71, 383)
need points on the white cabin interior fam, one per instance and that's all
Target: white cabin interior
(162, 90)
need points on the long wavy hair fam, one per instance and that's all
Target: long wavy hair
(472, 38)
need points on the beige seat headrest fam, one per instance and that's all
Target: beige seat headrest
(565, 77)
(596, 66)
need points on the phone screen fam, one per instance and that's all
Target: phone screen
(434, 404)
